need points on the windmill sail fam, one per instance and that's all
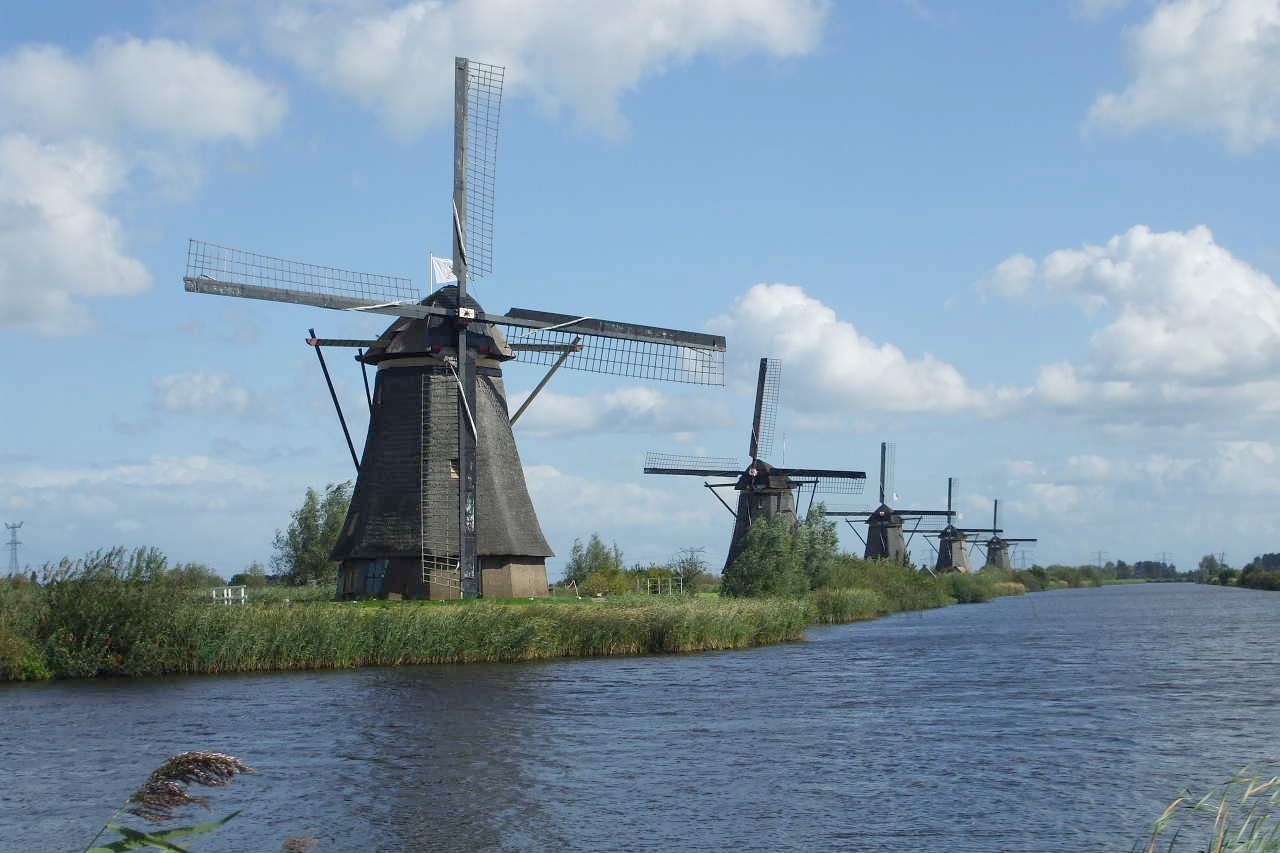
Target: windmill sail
(768, 387)
(692, 466)
(619, 349)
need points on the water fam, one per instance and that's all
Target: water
(1058, 721)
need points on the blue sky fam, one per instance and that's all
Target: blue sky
(1032, 245)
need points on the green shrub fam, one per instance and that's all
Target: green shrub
(901, 587)
(834, 606)
(968, 589)
(770, 562)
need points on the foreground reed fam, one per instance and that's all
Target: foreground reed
(165, 793)
(1242, 815)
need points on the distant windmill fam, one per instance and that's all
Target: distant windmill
(764, 491)
(953, 548)
(998, 546)
(884, 539)
(440, 507)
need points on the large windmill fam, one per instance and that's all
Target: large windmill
(884, 539)
(997, 546)
(764, 491)
(440, 508)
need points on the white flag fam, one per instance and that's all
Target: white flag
(442, 270)
(896, 497)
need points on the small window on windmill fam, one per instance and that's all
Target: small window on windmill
(453, 468)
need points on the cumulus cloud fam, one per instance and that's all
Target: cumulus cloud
(830, 364)
(1210, 65)
(199, 392)
(56, 241)
(633, 408)
(1184, 324)
(72, 131)
(578, 55)
(158, 86)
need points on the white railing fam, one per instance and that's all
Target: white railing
(230, 594)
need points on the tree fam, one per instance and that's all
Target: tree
(771, 561)
(302, 551)
(606, 582)
(254, 576)
(595, 557)
(820, 544)
(691, 569)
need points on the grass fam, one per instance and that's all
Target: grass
(1242, 815)
(188, 637)
(91, 618)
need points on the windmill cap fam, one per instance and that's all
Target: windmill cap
(766, 476)
(410, 338)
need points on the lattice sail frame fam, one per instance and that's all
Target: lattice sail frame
(622, 357)
(836, 485)
(769, 391)
(211, 261)
(484, 111)
(700, 466)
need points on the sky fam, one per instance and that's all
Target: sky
(1033, 245)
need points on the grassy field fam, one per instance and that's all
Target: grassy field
(94, 620)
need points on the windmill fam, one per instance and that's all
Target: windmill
(998, 546)
(764, 491)
(953, 548)
(440, 508)
(884, 539)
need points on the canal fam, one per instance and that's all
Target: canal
(1055, 721)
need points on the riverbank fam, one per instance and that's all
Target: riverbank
(100, 625)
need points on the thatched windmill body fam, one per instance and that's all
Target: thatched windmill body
(440, 507)
(885, 539)
(764, 491)
(953, 548)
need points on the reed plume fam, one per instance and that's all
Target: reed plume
(165, 791)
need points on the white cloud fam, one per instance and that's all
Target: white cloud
(56, 242)
(160, 87)
(829, 365)
(159, 471)
(73, 131)
(1211, 65)
(1012, 277)
(577, 54)
(629, 409)
(1184, 326)
(198, 392)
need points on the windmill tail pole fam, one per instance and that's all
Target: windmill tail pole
(576, 346)
(324, 368)
(364, 372)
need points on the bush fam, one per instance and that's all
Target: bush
(835, 606)
(771, 562)
(606, 582)
(109, 613)
(901, 587)
(968, 589)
